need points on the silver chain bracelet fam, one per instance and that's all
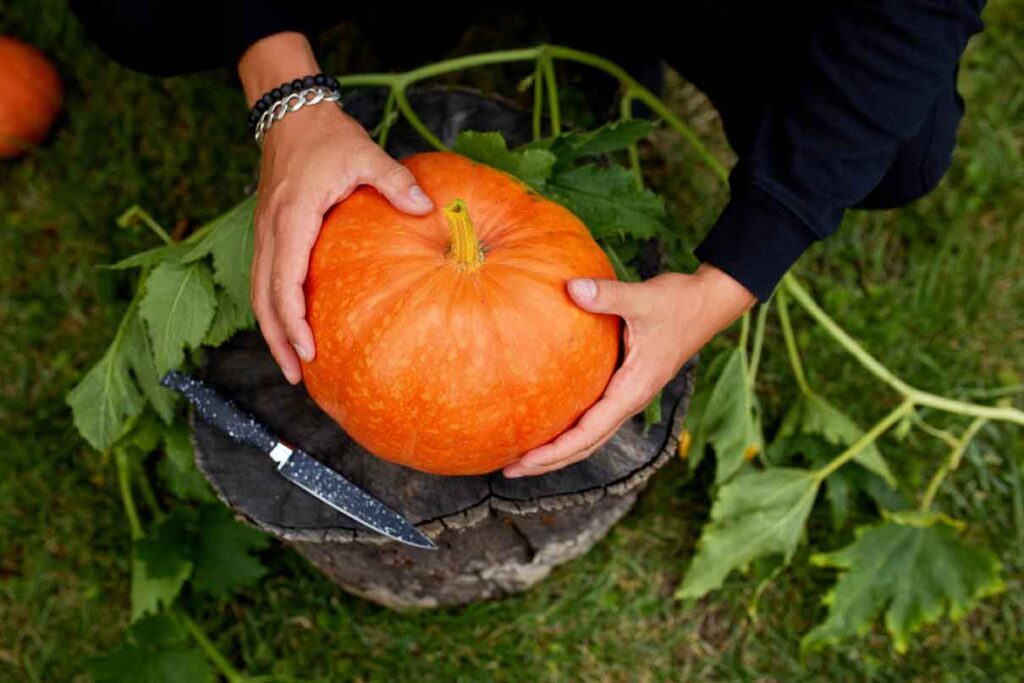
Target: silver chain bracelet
(306, 97)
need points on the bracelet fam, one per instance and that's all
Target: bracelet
(289, 97)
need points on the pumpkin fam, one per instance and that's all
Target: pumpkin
(30, 97)
(448, 342)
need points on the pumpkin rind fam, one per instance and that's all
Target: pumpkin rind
(30, 97)
(447, 369)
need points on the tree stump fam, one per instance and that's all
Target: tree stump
(495, 535)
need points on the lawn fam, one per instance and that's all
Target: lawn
(935, 289)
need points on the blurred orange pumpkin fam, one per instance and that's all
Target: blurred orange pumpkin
(30, 97)
(447, 342)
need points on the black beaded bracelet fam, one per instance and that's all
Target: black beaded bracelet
(284, 90)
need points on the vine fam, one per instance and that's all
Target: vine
(757, 511)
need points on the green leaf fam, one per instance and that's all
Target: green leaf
(168, 549)
(231, 317)
(139, 354)
(222, 558)
(914, 570)
(178, 469)
(151, 594)
(145, 435)
(178, 307)
(217, 547)
(230, 242)
(168, 253)
(612, 137)
(532, 166)
(728, 420)
(844, 484)
(608, 201)
(759, 513)
(105, 399)
(812, 414)
(157, 651)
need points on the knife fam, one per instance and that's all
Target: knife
(294, 464)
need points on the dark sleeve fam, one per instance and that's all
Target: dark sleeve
(872, 73)
(166, 38)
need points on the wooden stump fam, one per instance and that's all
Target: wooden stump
(495, 536)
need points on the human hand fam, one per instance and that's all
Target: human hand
(668, 319)
(313, 158)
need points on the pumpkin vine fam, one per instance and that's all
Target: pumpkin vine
(758, 509)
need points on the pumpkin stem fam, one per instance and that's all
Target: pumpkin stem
(466, 250)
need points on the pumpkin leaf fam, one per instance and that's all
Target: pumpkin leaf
(178, 307)
(178, 470)
(139, 354)
(532, 166)
(222, 558)
(756, 514)
(912, 568)
(608, 201)
(843, 485)
(728, 420)
(150, 594)
(107, 397)
(168, 253)
(612, 137)
(158, 650)
(812, 414)
(231, 317)
(230, 241)
(211, 541)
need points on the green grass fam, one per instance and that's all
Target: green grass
(935, 289)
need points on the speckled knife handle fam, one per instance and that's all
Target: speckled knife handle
(220, 412)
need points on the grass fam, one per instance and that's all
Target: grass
(935, 289)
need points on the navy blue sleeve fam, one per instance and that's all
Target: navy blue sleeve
(168, 38)
(872, 73)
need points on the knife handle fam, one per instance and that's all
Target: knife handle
(220, 412)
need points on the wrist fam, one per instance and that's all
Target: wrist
(725, 298)
(274, 60)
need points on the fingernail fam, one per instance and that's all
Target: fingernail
(304, 353)
(513, 473)
(418, 196)
(583, 288)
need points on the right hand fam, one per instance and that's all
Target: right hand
(313, 158)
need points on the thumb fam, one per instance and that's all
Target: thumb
(605, 296)
(397, 184)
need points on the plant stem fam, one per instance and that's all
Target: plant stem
(125, 485)
(755, 354)
(626, 113)
(147, 490)
(744, 332)
(955, 455)
(134, 212)
(538, 102)
(883, 373)
(385, 123)
(866, 439)
(782, 304)
(940, 434)
(403, 106)
(213, 654)
(639, 92)
(552, 83)
(647, 97)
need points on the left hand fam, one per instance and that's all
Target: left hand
(668, 319)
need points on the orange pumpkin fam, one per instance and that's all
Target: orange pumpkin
(447, 342)
(30, 97)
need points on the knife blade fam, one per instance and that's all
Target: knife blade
(295, 465)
